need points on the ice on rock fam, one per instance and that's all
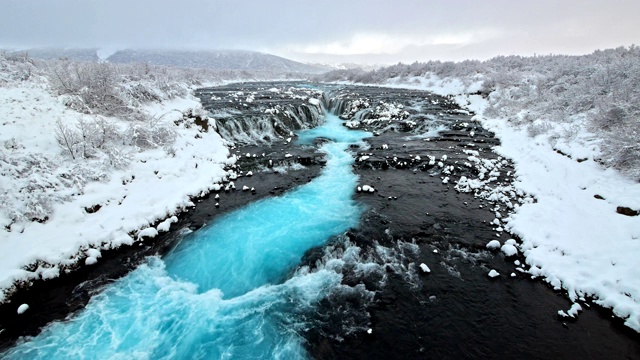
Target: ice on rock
(509, 250)
(493, 245)
(425, 268)
(22, 308)
(493, 273)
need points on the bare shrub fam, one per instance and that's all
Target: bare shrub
(67, 138)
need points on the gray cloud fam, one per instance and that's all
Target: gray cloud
(372, 30)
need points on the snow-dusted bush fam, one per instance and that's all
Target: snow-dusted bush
(91, 88)
(150, 134)
(16, 67)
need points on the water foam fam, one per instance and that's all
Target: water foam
(229, 290)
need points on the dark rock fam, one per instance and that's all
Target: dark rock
(92, 209)
(627, 211)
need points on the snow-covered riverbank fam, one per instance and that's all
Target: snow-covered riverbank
(89, 204)
(573, 235)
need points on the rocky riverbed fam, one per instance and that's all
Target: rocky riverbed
(435, 195)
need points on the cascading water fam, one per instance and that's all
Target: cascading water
(227, 290)
(255, 128)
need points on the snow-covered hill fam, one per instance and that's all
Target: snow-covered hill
(214, 60)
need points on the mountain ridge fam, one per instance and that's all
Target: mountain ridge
(237, 60)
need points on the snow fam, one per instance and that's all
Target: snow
(572, 312)
(425, 268)
(584, 247)
(493, 245)
(93, 253)
(166, 225)
(493, 273)
(509, 250)
(152, 187)
(366, 188)
(22, 308)
(148, 232)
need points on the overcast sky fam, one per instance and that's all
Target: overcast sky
(371, 31)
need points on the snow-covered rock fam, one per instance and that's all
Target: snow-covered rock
(368, 188)
(22, 308)
(493, 273)
(572, 312)
(425, 268)
(166, 225)
(509, 250)
(493, 245)
(149, 232)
